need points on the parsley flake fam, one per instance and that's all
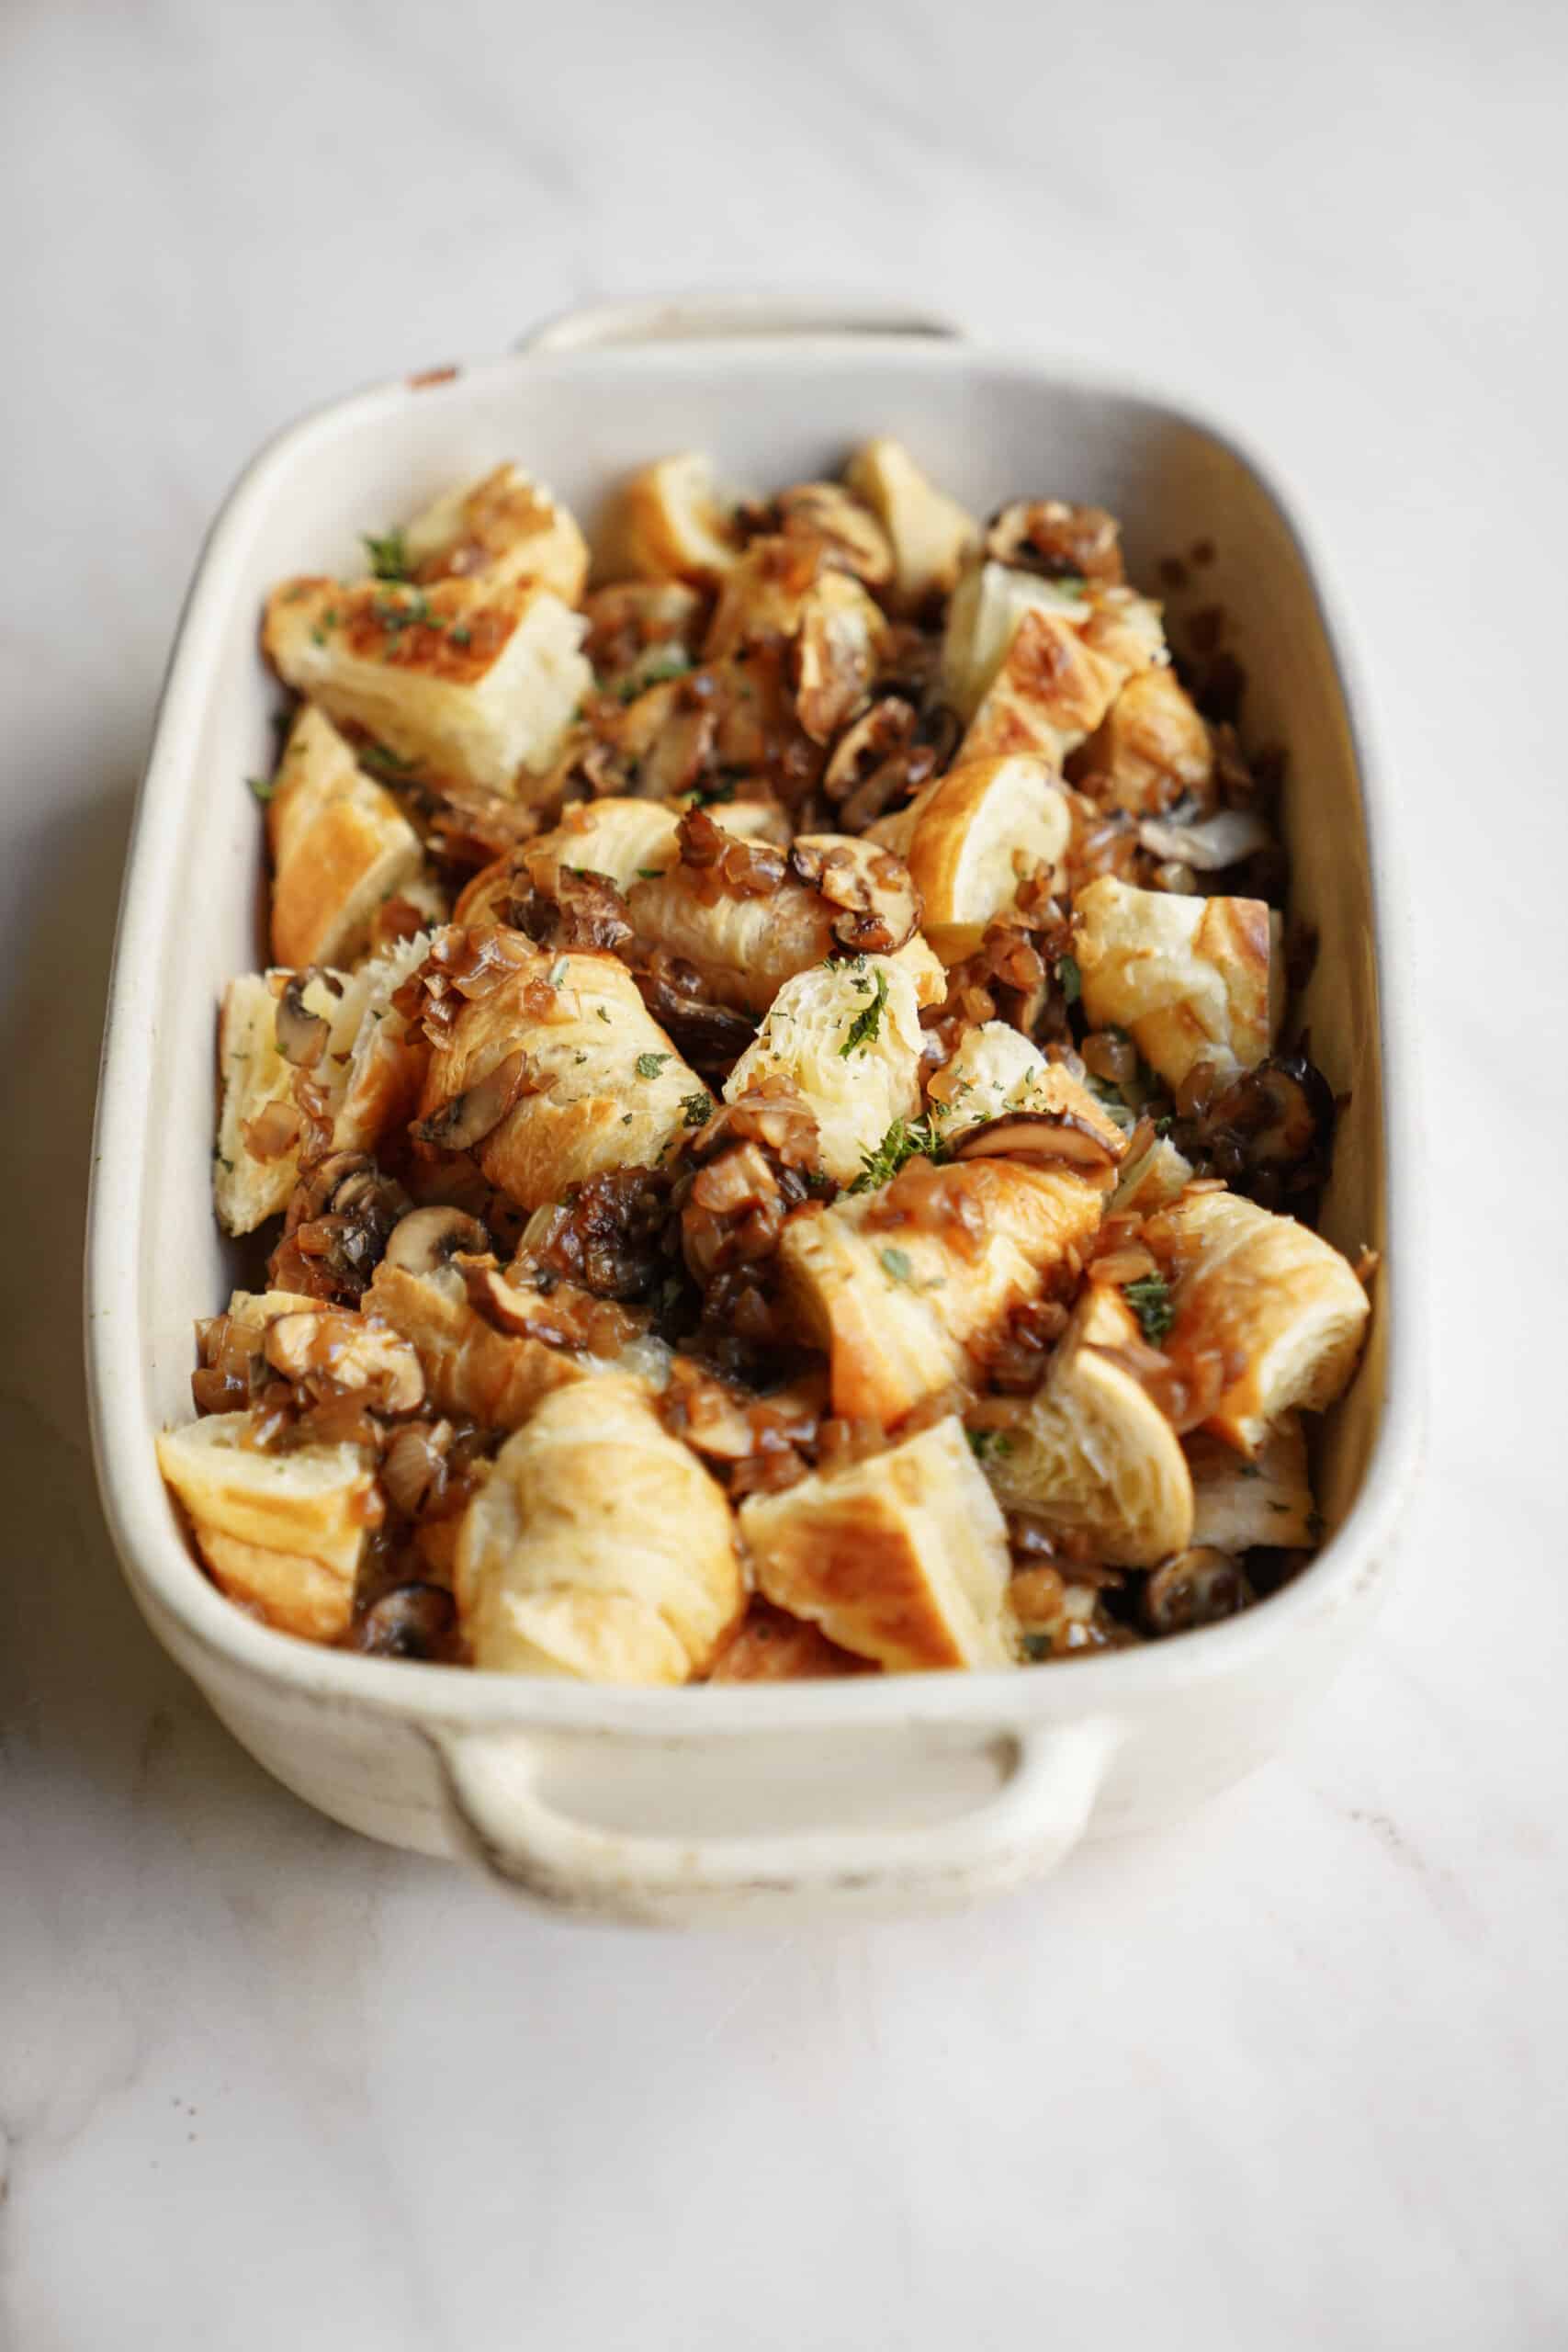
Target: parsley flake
(263, 786)
(1069, 978)
(603, 1011)
(389, 555)
(864, 1027)
(1037, 1646)
(1150, 1302)
(905, 1140)
(898, 1267)
(650, 1065)
(697, 1109)
(985, 1444)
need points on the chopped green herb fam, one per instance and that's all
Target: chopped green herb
(381, 756)
(863, 1028)
(416, 612)
(603, 1011)
(697, 1109)
(263, 786)
(1071, 584)
(650, 873)
(1069, 977)
(905, 1140)
(1150, 1302)
(318, 637)
(898, 1267)
(650, 1065)
(657, 673)
(1037, 1646)
(706, 796)
(626, 1118)
(987, 1443)
(227, 1165)
(388, 556)
(329, 618)
(461, 637)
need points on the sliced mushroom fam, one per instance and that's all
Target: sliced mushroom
(1197, 1588)
(1283, 1108)
(411, 1621)
(429, 1239)
(711, 1036)
(881, 905)
(855, 539)
(471, 1115)
(345, 1351)
(1208, 847)
(1040, 1135)
(1058, 541)
(302, 1036)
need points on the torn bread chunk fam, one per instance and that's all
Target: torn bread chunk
(340, 847)
(901, 1558)
(599, 1547)
(282, 1533)
(504, 528)
(1190, 980)
(846, 1036)
(972, 839)
(1263, 1304)
(461, 679)
(897, 1286)
(931, 533)
(1092, 1454)
(557, 1074)
(671, 520)
(368, 1075)
(1241, 1505)
(1151, 750)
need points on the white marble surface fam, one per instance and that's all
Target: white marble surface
(1293, 2078)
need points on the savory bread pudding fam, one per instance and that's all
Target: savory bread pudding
(773, 1124)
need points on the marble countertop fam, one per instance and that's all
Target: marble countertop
(1291, 2077)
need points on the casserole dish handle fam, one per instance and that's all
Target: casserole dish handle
(1049, 1778)
(686, 318)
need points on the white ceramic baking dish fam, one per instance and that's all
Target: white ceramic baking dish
(692, 1806)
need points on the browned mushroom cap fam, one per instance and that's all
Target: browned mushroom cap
(429, 1239)
(883, 756)
(1059, 541)
(1197, 1588)
(302, 1036)
(1283, 1109)
(411, 1621)
(851, 537)
(881, 907)
(710, 1037)
(471, 1115)
(1039, 1136)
